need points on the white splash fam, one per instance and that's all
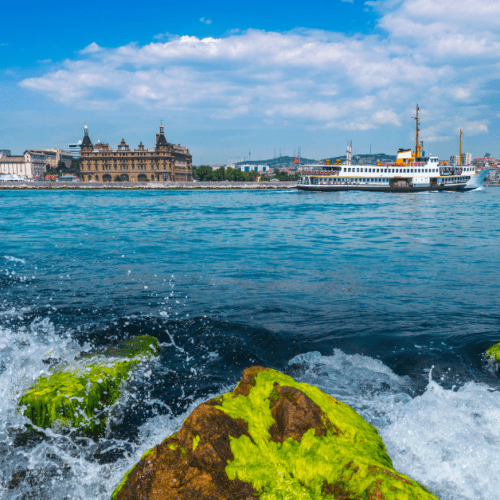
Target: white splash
(448, 440)
(14, 259)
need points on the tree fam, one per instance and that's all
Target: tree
(203, 173)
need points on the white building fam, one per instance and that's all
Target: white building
(254, 168)
(454, 160)
(75, 149)
(31, 164)
(466, 158)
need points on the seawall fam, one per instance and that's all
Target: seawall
(47, 185)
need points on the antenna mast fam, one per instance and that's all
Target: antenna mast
(461, 134)
(417, 148)
(349, 153)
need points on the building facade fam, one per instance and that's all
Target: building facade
(466, 158)
(31, 164)
(253, 168)
(454, 160)
(53, 156)
(164, 162)
(75, 149)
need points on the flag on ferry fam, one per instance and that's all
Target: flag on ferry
(296, 160)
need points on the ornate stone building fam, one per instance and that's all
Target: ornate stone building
(165, 162)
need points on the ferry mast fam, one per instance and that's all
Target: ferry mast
(417, 147)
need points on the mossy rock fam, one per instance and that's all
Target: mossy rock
(492, 355)
(270, 438)
(78, 397)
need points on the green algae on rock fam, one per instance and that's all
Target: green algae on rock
(270, 438)
(492, 355)
(77, 396)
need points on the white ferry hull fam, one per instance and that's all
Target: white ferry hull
(386, 189)
(389, 181)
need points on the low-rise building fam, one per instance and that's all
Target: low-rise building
(253, 168)
(494, 174)
(68, 178)
(31, 164)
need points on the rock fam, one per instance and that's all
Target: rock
(492, 355)
(270, 438)
(77, 396)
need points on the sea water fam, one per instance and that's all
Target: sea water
(385, 301)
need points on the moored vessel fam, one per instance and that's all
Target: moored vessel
(411, 172)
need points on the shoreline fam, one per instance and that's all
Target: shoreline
(225, 185)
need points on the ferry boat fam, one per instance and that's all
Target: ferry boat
(411, 172)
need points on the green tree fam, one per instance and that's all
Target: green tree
(203, 173)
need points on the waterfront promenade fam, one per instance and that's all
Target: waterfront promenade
(42, 185)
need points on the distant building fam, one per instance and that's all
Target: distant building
(68, 178)
(54, 156)
(164, 162)
(485, 162)
(494, 174)
(454, 160)
(31, 164)
(253, 168)
(466, 158)
(4, 152)
(74, 149)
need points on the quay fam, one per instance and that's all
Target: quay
(167, 185)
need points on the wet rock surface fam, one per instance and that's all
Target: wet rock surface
(77, 396)
(270, 438)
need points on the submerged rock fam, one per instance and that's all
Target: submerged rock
(492, 355)
(270, 438)
(77, 396)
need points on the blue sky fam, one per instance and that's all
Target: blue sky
(225, 76)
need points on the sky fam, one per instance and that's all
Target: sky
(231, 78)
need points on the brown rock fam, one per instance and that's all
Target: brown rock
(295, 413)
(183, 473)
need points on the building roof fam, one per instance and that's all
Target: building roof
(12, 159)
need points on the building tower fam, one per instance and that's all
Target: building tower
(161, 141)
(86, 143)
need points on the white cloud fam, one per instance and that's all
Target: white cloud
(90, 49)
(205, 21)
(441, 54)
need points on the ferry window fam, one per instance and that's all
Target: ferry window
(357, 170)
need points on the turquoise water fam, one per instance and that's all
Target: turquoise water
(386, 301)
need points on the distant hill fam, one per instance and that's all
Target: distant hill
(369, 159)
(359, 159)
(282, 160)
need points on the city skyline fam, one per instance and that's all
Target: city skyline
(226, 79)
